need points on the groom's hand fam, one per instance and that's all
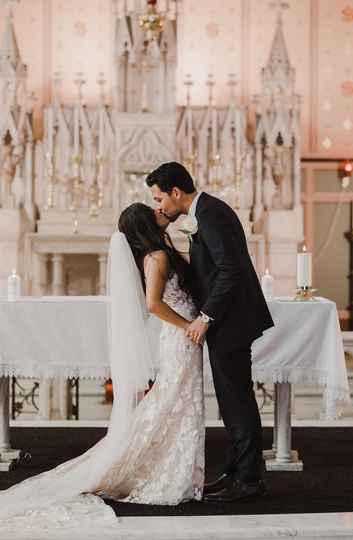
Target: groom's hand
(197, 331)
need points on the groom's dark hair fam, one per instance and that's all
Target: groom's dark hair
(169, 175)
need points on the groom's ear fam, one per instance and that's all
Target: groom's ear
(176, 193)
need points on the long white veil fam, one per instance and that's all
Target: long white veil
(132, 339)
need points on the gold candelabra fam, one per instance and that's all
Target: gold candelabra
(189, 161)
(214, 163)
(76, 186)
(304, 294)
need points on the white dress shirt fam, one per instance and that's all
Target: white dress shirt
(192, 212)
(192, 209)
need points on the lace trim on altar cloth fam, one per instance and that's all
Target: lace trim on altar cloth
(335, 397)
(51, 370)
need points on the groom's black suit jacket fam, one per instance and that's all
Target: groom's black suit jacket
(226, 286)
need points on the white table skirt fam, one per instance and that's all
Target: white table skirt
(305, 347)
(67, 336)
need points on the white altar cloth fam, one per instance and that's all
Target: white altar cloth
(67, 336)
(305, 347)
(54, 336)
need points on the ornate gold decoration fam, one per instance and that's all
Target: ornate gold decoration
(305, 294)
(76, 187)
(152, 21)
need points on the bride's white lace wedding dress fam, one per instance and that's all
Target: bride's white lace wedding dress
(162, 462)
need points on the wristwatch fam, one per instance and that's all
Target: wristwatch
(205, 318)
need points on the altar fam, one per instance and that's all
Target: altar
(67, 336)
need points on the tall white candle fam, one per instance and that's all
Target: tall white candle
(267, 285)
(304, 268)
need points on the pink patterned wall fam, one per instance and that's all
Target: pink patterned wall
(334, 72)
(82, 41)
(209, 41)
(228, 36)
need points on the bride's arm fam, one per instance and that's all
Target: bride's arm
(156, 268)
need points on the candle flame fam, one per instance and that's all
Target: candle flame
(304, 248)
(267, 271)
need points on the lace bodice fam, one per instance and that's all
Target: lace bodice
(178, 299)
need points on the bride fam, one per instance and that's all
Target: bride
(153, 452)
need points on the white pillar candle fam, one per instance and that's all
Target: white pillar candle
(304, 268)
(267, 283)
(13, 286)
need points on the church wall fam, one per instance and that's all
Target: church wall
(325, 224)
(332, 268)
(232, 36)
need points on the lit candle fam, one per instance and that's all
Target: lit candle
(304, 268)
(267, 283)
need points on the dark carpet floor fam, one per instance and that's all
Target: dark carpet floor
(325, 485)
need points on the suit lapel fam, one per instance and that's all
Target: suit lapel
(195, 237)
(200, 203)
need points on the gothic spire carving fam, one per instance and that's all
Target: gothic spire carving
(278, 76)
(12, 70)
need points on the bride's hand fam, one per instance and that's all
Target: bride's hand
(199, 340)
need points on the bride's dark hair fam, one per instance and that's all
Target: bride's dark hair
(138, 223)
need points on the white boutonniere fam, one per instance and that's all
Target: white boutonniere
(189, 226)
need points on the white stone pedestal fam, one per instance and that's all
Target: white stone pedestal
(281, 457)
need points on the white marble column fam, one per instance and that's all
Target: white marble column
(8, 456)
(65, 401)
(40, 277)
(58, 285)
(271, 453)
(275, 418)
(286, 459)
(284, 433)
(45, 398)
(102, 262)
(4, 414)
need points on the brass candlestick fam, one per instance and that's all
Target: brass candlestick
(305, 294)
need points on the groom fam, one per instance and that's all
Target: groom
(233, 313)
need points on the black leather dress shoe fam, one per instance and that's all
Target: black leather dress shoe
(237, 491)
(217, 485)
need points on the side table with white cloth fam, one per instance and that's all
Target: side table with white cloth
(305, 347)
(67, 336)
